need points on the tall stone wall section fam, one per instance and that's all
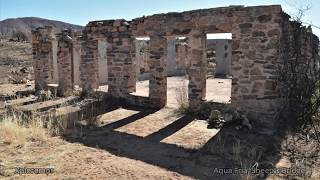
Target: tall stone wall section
(120, 52)
(65, 62)
(89, 70)
(122, 74)
(197, 70)
(255, 58)
(259, 35)
(256, 33)
(43, 57)
(158, 80)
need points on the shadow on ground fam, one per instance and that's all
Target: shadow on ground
(229, 148)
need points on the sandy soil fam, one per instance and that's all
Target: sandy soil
(75, 161)
(142, 144)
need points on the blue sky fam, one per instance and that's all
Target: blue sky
(82, 11)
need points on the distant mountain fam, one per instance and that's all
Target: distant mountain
(10, 27)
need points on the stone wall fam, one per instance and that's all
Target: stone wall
(257, 37)
(299, 66)
(255, 56)
(121, 71)
(255, 33)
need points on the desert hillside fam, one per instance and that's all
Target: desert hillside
(10, 27)
(14, 56)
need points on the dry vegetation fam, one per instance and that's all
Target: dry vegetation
(15, 134)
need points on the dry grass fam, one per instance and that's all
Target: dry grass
(17, 132)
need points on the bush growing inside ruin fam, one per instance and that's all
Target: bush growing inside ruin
(215, 119)
(299, 76)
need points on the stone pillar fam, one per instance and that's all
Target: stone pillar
(158, 81)
(55, 62)
(141, 57)
(137, 58)
(76, 61)
(198, 67)
(223, 50)
(121, 71)
(103, 64)
(42, 57)
(65, 62)
(181, 55)
(89, 70)
(171, 56)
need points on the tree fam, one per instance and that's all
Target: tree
(19, 36)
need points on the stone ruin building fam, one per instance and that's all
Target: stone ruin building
(107, 52)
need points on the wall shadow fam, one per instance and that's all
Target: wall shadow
(171, 128)
(229, 149)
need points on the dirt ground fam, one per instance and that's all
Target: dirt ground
(139, 143)
(145, 144)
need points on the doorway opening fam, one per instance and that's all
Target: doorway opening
(219, 79)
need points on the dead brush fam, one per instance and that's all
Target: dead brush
(16, 130)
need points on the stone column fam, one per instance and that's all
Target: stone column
(42, 57)
(138, 60)
(198, 67)
(158, 80)
(121, 71)
(76, 60)
(65, 62)
(89, 70)
(171, 56)
(181, 55)
(103, 64)
(55, 79)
